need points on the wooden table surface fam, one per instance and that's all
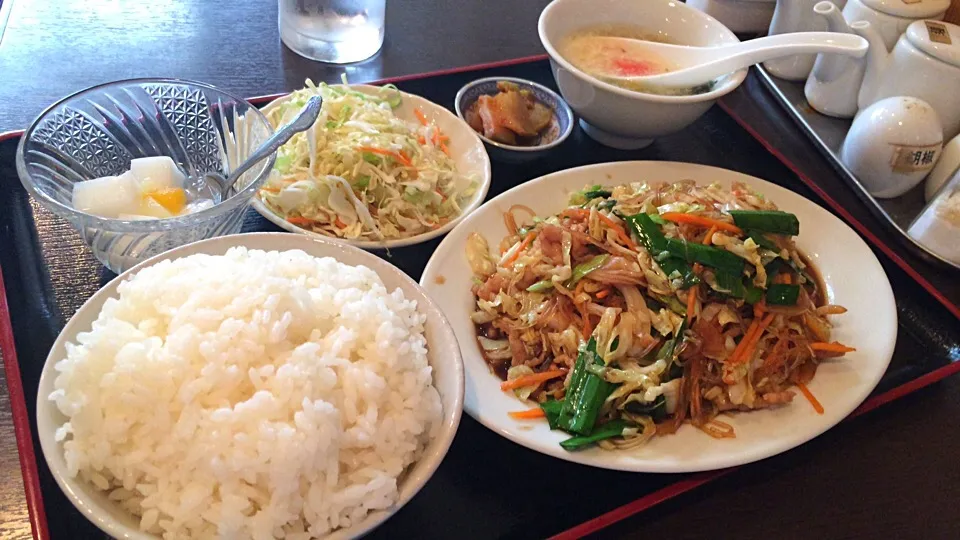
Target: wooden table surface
(891, 473)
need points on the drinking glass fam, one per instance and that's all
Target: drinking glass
(334, 31)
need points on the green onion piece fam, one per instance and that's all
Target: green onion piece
(649, 234)
(706, 255)
(672, 267)
(770, 221)
(762, 241)
(576, 382)
(773, 268)
(363, 181)
(552, 408)
(670, 351)
(753, 294)
(541, 286)
(611, 429)
(656, 410)
(736, 287)
(672, 303)
(607, 204)
(782, 294)
(581, 270)
(596, 192)
(582, 403)
(657, 219)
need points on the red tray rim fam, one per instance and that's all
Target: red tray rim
(21, 420)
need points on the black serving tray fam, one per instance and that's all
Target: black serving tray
(47, 273)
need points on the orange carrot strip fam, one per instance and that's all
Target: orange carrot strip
(622, 234)
(582, 309)
(339, 222)
(810, 397)
(691, 303)
(603, 294)
(757, 334)
(523, 245)
(530, 380)
(680, 217)
(585, 214)
(831, 347)
(528, 414)
(299, 221)
(759, 308)
(420, 116)
(399, 157)
(444, 149)
(743, 342)
(708, 239)
(421, 139)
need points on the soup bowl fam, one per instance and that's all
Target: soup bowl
(615, 116)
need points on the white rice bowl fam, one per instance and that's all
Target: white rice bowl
(250, 395)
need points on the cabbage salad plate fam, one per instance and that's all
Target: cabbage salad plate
(453, 135)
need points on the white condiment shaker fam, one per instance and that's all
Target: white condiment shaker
(892, 145)
(947, 166)
(938, 226)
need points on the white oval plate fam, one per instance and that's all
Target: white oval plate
(442, 354)
(465, 146)
(853, 276)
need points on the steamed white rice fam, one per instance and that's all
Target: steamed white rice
(252, 395)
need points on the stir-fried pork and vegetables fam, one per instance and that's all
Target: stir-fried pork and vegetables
(641, 307)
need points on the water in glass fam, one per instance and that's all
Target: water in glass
(335, 31)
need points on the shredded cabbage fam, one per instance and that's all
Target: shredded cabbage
(362, 172)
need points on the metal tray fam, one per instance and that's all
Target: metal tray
(49, 273)
(828, 134)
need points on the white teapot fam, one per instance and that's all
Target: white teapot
(925, 64)
(892, 17)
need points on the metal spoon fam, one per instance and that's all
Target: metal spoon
(302, 122)
(694, 66)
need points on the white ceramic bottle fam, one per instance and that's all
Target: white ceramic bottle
(834, 83)
(938, 225)
(794, 16)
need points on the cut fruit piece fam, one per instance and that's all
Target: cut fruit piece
(150, 207)
(108, 196)
(173, 199)
(156, 173)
